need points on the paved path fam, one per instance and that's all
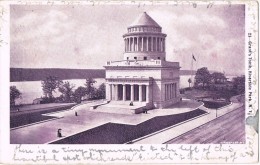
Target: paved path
(70, 124)
(169, 134)
(225, 129)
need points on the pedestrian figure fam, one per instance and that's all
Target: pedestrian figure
(76, 114)
(131, 103)
(18, 110)
(59, 133)
(146, 111)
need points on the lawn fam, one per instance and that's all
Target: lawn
(113, 133)
(196, 93)
(24, 118)
(215, 104)
(32, 107)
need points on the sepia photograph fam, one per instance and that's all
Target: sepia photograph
(116, 75)
(133, 74)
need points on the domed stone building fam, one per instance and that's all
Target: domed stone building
(143, 77)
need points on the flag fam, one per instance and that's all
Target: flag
(193, 57)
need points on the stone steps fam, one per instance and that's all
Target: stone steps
(126, 103)
(113, 109)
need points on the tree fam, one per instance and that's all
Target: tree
(79, 93)
(189, 81)
(90, 89)
(67, 91)
(14, 94)
(218, 77)
(239, 84)
(49, 85)
(101, 92)
(202, 76)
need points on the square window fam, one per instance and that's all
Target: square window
(145, 58)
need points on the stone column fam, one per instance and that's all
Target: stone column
(124, 92)
(140, 93)
(125, 44)
(156, 44)
(147, 94)
(128, 49)
(142, 48)
(170, 91)
(137, 44)
(164, 45)
(134, 44)
(147, 44)
(152, 44)
(161, 45)
(116, 91)
(171, 95)
(110, 91)
(166, 92)
(175, 89)
(158, 47)
(132, 92)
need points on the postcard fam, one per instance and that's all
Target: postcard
(129, 82)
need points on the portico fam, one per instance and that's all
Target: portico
(132, 91)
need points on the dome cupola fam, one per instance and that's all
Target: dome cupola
(144, 40)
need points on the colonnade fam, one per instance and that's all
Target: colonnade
(129, 92)
(140, 43)
(170, 91)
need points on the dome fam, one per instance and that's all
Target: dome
(144, 20)
(144, 40)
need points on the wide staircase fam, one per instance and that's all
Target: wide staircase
(120, 107)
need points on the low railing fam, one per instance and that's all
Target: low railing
(142, 63)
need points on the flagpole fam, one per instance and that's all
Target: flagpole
(191, 69)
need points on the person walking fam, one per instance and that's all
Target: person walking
(59, 133)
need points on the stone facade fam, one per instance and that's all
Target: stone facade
(144, 76)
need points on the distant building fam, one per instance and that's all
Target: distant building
(144, 76)
(37, 101)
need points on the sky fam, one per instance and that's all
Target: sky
(85, 37)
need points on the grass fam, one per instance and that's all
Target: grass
(215, 104)
(29, 107)
(113, 133)
(20, 119)
(196, 93)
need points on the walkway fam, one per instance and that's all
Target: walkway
(70, 124)
(169, 134)
(229, 128)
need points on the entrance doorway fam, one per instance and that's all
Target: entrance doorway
(128, 92)
(136, 92)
